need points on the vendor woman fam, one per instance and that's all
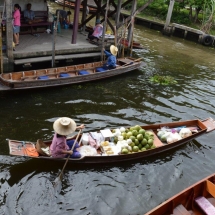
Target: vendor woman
(60, 146)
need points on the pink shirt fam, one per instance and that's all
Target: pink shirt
(16, 16)
(98, 30)
(58, 144)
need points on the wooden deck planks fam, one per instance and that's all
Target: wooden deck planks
(58, 57)
(32, 46)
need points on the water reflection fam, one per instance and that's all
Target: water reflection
(128, 188)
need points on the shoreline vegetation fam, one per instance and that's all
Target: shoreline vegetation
(196, 14)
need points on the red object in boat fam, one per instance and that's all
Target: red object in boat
(136, 45)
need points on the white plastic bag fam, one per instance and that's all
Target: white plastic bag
(50, 17)
(87, 151)
(185, 132)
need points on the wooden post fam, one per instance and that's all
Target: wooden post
(93, 15)
(131, 27)
(84, 14)
(115, 36)
(102, 11)
(98, 14)
(169, 14)
(104, 29)
(137, 11)
(118, 12)
(2, 14)
(117, 20)
(64, 4)
(131, 47)
(9, 34)
(54, 39)
(76, 20)
(123, 48)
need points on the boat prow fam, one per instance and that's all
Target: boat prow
(198, 199)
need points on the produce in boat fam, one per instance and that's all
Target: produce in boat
(135, 137)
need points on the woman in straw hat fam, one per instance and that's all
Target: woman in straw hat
(111, 60)
(60, 147)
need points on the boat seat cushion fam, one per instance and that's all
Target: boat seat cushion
(205, 205)
(100, 69)
(43, 77)
(83, 72)
(64, 75)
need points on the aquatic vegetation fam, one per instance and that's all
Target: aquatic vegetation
(163, 80)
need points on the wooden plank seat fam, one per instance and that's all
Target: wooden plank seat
(180, 210)
(16, 76)
(51, 73)
(45, 74)
(205, 205)
(42, 15)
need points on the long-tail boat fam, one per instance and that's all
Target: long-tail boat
(198, 199)
(21, 148)
(65, 75)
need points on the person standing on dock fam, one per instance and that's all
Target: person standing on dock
(16, 23)
(63, 16)
(111, 61)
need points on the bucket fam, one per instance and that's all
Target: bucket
(58, 27)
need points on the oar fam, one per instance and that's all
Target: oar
(137, 60)
(60, 176)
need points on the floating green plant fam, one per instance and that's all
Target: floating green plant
(163, 80)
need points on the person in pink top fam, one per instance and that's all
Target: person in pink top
(16, 23)
(97, 31)
(60, 147)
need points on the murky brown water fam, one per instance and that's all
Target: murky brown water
(131, 188)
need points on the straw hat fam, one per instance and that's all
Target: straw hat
(64, 126)
(113, 50)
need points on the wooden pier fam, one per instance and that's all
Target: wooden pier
(71, 44)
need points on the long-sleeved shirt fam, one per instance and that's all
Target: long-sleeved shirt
(16, 17)
(97, 30)
(111, 61)
(29, 14)
(58, 145)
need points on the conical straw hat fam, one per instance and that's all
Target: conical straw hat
(64, 126)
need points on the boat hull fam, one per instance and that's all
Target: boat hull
(185, 201)
(8, 84)
(160, 147)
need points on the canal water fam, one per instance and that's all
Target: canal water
(129, 188)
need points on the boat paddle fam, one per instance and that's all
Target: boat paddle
(58, 180)
(137, 60)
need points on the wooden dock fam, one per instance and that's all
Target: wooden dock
(41, 45)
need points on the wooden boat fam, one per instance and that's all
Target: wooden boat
(64, 75)
(20, 148)
(198, 199)
(136, 45)
(72, 5)
(124, 42)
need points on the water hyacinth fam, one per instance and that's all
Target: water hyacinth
(163, 80)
